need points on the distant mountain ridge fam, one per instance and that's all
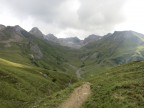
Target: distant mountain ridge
(91, 38)
(34, 66)
(116, 48)
(73, 42)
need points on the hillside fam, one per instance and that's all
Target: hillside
(37, 70)
(113, 49)
(20, 46)
(22, 85)
(127, 45)
(91, 38)
(31, 68)
(120, 87)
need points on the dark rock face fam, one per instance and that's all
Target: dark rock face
(37, 54)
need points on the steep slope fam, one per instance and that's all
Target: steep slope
(114, 49)
(31, 68)
(22, 85)
(127, 45)
(120, 87)
(20, 46)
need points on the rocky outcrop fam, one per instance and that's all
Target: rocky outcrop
(36, 52)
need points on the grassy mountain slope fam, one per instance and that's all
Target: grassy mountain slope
(127, 45)
(25, 48)
(32, 68)
(113, 49)
(22, 85)
(120, 87)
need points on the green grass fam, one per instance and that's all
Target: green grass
(54, 56)
(21, 85)
(120, 87)
(115, 49)
(57, 98)
(90, 71)
(25, 80)
(15, 53)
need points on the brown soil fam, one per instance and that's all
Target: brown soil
(78, 97)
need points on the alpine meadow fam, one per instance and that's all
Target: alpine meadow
(71, 54)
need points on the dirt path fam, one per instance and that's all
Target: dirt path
(78, 97)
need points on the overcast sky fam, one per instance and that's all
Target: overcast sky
(66, 18)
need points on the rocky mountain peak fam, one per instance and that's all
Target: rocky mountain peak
(18, 29)
(36, 32)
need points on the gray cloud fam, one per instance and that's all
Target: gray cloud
(101, 13)
(93, 16)
(44, 10)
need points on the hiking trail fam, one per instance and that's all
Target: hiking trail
(78, 97)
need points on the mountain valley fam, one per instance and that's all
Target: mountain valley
(41, 71)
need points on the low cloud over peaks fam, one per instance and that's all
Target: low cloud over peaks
(68, 17)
